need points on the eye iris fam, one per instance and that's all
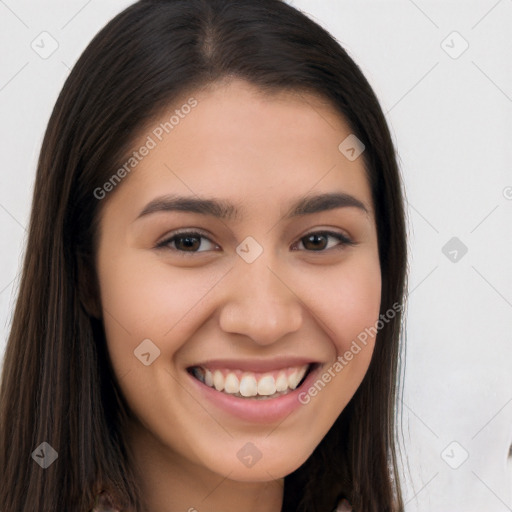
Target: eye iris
(315, 239)
(190, 242)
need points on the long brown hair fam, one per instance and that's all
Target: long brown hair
(57, 383)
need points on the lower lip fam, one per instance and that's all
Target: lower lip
(254, 410)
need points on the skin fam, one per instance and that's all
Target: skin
(260, 152)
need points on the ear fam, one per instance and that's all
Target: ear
(88, 288)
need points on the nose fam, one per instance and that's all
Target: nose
(260, 303)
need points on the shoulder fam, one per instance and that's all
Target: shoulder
(343, 506)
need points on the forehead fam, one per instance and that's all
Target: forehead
(249, 147)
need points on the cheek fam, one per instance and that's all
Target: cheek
(359, 304)
(145, 299)
(346, 304)
(346, 298)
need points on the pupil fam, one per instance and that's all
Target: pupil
(315, 239)
(189, 242)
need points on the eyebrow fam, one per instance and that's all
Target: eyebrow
(225, 210)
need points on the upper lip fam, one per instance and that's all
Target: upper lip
(256, 365)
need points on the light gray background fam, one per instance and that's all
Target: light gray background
(451, 117)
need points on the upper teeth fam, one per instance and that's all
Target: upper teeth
(249, 384)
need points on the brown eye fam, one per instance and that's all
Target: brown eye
(187, 242)
(319, 241)
(315, 242)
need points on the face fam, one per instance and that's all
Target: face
(239, 253)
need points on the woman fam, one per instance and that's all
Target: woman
(214, 279)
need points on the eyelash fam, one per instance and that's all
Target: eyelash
(344, 241)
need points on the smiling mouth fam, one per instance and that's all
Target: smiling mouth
(253, 385)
